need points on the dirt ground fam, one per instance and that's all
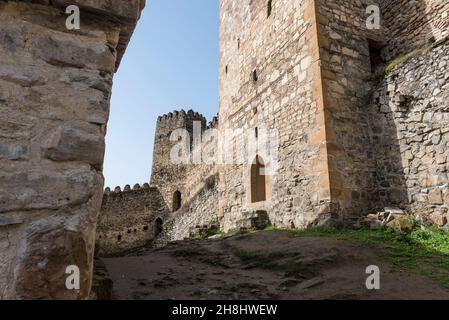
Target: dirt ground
(262, 265)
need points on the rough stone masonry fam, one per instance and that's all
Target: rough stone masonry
(55, 87)
(350, 143)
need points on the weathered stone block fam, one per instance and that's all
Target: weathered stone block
(438, 218)
(51, 245)
(435, 197)
(9, 221)
(76, 144)
(71, 51)
(128, 10)
(38, 189)
(13, 151)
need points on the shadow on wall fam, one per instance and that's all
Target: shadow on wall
(198, 212)
(412, 24)
(410, 135)
(407, 26)
(389, 178)
(396, 123)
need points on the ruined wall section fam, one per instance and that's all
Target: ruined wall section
(199, 212)
(166, 174)
(204, 161)
(410, 133)
(346, 72)
(55, 88)
(128, 219)
(412, 24)
(195, 179)
(284, 96)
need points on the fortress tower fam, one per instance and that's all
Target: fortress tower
(305, 68)
(168, 175)
(354, 108)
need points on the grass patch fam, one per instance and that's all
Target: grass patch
(292, 267)
(258, 260)
(386, 70)
(424, 252)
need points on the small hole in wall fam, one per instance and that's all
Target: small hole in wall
(226, 69)
(119, 238)
(238, 43)
(145, 228)
(129, 231)
(255, 76)
(135, 230)
(269, 8)
(256, 132)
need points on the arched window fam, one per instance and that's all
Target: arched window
(258, 181)
(177, 201)
(158, 227)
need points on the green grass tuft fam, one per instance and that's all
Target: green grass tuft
(292, 267)
(424, 252)
(387, 69)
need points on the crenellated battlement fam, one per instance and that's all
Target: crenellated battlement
(180, 116)
(128, 189)
(128, 218)
(213, 124)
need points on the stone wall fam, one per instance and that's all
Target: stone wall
(346, 72)
(199, 212)
(194, 178)
(55, 88)
(412, 24)
(168, 176)
(128, 219)
(270, 79)
(410, 135)
(304, 69)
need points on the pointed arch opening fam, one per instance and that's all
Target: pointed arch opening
(258, 181)
(177, 201)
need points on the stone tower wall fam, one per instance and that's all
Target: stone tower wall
(346, 73)
(282, 48)
(313, 86)
(168, 176)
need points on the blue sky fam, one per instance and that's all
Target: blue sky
(171, 63)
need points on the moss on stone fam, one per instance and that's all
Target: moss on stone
(389, 67)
